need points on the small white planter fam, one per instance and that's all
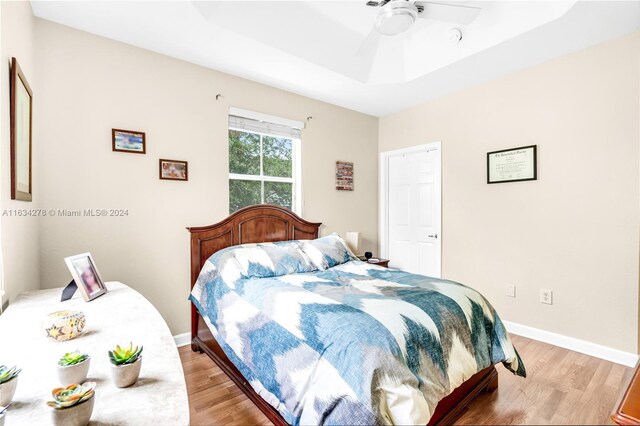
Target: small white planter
(127, 374)
(76, 415)
(76, 373)
(7, 390)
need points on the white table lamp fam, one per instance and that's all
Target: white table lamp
(353, 241)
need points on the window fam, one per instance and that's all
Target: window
(264, 164)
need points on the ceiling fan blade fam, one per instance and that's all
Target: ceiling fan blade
(370, 44)
(447, 12)
(377, 3)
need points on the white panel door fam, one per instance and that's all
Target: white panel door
(413, 209)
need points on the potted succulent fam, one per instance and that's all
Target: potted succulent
(73, 367)
(125, 365)
(73, 405)
(3, 410)
(8, 384)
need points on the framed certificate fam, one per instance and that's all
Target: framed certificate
(512, 165)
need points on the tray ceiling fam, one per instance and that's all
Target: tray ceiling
(312, 47)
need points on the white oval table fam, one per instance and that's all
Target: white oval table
(158, 398)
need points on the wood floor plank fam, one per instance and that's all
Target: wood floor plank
(562, 387)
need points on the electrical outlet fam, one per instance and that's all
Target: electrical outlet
(511, 291)
(546, 296)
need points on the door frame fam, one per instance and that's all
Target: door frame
(383, 207)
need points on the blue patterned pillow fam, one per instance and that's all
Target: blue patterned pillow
(273, 260)
(221, 265)
(327, 252)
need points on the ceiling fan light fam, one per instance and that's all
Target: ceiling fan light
(396, 20)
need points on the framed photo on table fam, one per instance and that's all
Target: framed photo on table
(85, 274)
(512, 165)
(21, 109)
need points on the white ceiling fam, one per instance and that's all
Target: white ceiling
(309, 47)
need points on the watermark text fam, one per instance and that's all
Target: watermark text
(65, 212)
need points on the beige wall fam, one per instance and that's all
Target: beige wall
(575, 229)
(20, 247)
(90, 84)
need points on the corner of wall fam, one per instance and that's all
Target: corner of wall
(19, 234)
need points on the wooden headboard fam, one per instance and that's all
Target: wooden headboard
(261, 223)
(254, 224)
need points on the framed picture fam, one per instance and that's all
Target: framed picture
(128, 141)
(21, 107)
(85, 274)
(174, 170)
(344, 176)
(512, 165)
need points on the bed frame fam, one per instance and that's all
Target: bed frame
(266, 223)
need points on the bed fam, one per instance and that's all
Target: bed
(271, 224)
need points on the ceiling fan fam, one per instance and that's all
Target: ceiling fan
(397, 16)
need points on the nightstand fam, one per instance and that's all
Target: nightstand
(378, 261)
(628, 409)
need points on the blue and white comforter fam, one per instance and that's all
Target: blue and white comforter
(328, 339)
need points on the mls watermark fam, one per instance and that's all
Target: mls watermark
(65, 212)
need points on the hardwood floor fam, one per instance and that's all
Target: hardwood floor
(562, 387)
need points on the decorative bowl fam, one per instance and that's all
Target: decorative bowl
(64, 325)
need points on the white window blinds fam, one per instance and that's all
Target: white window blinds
(263, 123)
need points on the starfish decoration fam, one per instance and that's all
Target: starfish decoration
(54, 332)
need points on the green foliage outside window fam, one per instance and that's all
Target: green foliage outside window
(277, 156)
(243, 193)
(245, 152)
(278, 193)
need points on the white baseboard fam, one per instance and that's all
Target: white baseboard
(182, 339)
(599, 351)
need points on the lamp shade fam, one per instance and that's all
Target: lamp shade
(353, 241)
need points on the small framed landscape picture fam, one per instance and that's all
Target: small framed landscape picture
(128, 141)
(174, 170)
(85, 274)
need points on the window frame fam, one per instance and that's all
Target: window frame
(296, 175)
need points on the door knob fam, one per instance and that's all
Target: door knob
(433, 236)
